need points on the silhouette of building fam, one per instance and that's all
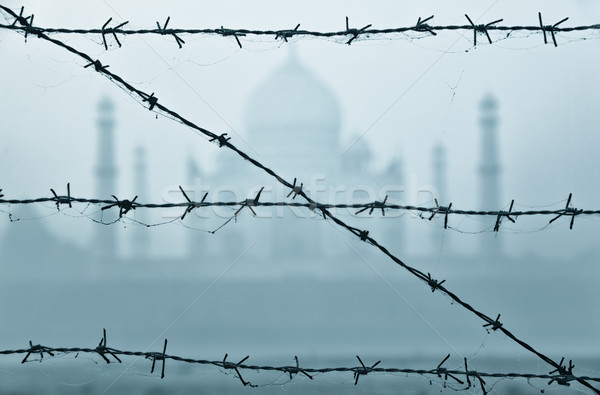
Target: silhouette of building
(141, 236)
(105, 247)
(196, 245)
(439, 182)
(489, 170)
(293, 122)
(293, 119)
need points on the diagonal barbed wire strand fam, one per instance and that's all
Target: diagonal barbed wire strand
(125, 205)
(352, 34)
(223, 141)
(561, 376)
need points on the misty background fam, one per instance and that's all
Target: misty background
(400, 112)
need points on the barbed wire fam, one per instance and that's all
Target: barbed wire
(126, 205)
(223, 141)
(353, 34)
(562, 375)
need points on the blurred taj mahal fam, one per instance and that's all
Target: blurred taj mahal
(293, 120)
(298, 284)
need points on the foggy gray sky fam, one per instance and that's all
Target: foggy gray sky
(548, 136)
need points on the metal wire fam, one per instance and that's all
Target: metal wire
(352, 34)
(223, 141)
(562, 375)
(126, 205)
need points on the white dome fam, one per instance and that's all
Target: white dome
(294, 118)
(292, 94)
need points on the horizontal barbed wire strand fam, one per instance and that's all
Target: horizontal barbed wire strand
(223, 141)
(355, 34)
(561, 376)
(362, 207)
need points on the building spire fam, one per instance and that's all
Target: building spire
(196, 245)
(106, 173)
(489, 169)
(439, 172)
(141, 236)
(393, 225)
(439, 182)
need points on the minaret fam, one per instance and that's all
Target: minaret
(489, 169)
(392, 224)
(106, 172)
(439, 183)
(141, 236)
(196, 245)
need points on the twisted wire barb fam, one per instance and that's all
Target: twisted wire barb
(354, 34)
(563, 374)
(362, 234)
(127, 205)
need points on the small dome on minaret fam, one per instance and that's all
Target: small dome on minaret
(488, 103)
(106, 104)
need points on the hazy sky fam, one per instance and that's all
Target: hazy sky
(410, 94)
